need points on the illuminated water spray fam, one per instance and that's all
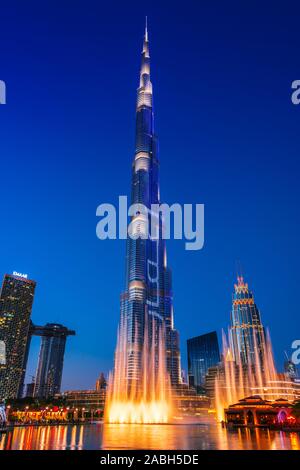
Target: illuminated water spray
(248, 364)
(236, 380)
(145, 397)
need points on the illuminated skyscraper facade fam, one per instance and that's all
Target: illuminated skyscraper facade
(146, 303)
(16, 300)
(247, 332)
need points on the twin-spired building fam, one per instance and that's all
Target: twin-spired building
(16, 331)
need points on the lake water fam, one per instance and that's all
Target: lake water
(115, 436)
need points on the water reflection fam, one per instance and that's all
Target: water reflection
(123, 436)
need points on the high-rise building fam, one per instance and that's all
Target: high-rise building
(203, 353)
(146, 303)
(2, 353)
(16, 300)
(247, 332)
(100, 383)
(51, 358)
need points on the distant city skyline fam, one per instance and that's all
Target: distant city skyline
(228, 136)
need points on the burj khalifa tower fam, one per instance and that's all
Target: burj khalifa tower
(148, 343)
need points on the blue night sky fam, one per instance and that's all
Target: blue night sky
(229, 138)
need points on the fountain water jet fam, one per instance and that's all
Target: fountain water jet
(236, 380)
(145, 399)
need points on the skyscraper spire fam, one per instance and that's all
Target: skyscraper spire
(146, 29)
(145, 83)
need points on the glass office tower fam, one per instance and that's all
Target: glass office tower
(247, 332)
(51, 358)
(146, 303)
(16, 300)
(203, 353)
